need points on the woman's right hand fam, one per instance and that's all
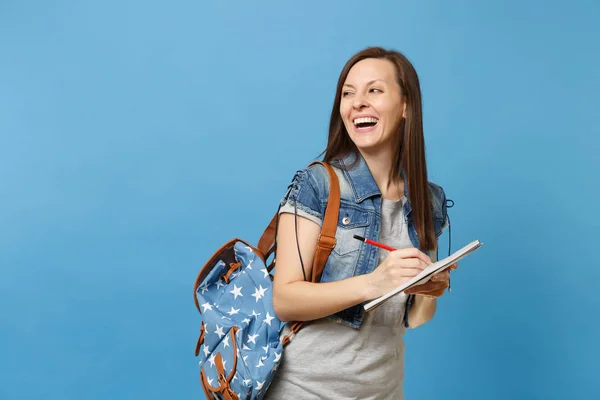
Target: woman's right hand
(398, 267)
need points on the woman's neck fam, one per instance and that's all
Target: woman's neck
(380, 165)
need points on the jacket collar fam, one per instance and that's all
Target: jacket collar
(361, 179)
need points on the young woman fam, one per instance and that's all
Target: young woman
(377, 149)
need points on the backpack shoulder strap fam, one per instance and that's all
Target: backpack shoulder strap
(326, 242)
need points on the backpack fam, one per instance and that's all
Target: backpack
(239, 344)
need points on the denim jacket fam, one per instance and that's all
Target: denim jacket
(359, 215)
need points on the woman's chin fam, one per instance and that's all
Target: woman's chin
(366, 143)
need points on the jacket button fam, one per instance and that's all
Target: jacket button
(346, 220)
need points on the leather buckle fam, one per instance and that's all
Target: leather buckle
(327, 242)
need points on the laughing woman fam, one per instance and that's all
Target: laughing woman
(376, 147)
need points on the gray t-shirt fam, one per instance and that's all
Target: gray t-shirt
(328, 360)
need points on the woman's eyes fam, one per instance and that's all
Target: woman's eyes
(372, 90)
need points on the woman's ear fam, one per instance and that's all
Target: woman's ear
(404, 110)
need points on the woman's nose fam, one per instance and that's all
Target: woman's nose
(359, 102)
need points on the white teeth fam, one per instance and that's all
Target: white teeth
(365, 120)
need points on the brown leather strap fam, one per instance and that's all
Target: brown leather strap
(232, 268)
(326, 241)
(294, 328)
(204, 385)
(220, 367)
(223, 380)
(224, 387)
(268, 237)
(229, 394)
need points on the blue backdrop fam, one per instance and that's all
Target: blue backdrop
(138, 136)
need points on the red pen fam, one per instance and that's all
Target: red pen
(380, 245)
(383, 246)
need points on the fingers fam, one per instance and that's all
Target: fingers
(395, 272)
(442, 276)
(408, 272)
(434, 294)
(411, 253)
(429, 288)
(415, 264)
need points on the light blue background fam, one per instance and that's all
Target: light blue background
(138, 136)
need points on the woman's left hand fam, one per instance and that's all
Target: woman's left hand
(436, 286)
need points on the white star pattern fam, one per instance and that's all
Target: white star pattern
(268, 319)
(219, 331)
(259, 293)
(252, 338)
(247, 326)
(233, 311)
(237, 291)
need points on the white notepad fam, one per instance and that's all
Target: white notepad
(426, 274)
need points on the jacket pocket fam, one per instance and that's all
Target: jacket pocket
(351, 221)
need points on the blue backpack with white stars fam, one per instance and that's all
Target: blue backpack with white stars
(239, 346)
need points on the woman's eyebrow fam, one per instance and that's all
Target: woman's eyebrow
(368, 83)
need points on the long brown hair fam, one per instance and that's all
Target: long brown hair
(410, 154)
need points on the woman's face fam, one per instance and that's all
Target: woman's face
(372, 104)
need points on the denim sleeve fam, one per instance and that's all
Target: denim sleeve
(304, 197)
